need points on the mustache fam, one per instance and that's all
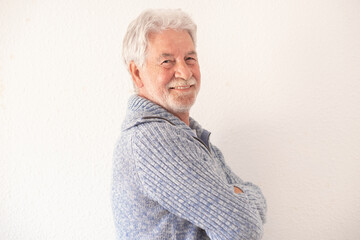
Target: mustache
(181, 82)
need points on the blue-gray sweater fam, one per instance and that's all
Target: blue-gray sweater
(170, 182)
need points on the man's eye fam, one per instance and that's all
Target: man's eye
(190, 60)
(166, 62)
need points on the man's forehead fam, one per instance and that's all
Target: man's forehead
(169, 36)
(170, 43)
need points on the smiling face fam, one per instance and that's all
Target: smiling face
(171, 74)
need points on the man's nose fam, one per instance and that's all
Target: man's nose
(183, 71)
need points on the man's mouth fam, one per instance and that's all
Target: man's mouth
(181, 87)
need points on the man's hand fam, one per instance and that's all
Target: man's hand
(237, 190)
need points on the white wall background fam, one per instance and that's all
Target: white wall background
(280, 93)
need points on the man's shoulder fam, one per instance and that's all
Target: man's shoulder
(156, 127)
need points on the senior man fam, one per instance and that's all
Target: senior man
(169, 181)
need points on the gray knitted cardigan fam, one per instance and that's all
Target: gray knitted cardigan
(170, 182)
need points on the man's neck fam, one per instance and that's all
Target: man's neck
(183, 117)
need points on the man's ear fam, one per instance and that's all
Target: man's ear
(135, 74)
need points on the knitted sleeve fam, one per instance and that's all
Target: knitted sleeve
(253, 191)
(174, 173)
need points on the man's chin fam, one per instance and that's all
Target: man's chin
(181, 108)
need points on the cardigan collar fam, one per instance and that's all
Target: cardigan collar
(141, 110)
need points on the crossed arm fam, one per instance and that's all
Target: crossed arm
(182, 179)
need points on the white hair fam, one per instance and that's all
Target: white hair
(153, 20)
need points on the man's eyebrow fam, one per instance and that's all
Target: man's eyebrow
(192, 53)
(172, 55)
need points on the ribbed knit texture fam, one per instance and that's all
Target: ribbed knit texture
(172, 183)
